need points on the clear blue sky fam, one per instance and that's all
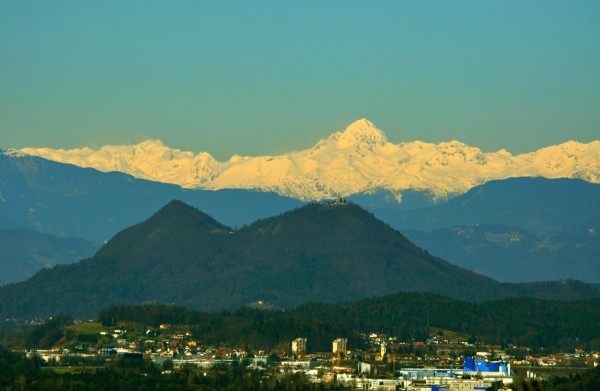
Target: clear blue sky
(266, 77)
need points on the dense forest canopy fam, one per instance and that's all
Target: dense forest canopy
(522, 322)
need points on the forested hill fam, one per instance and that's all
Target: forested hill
(320, 252)
(523, 322)
(65, 200)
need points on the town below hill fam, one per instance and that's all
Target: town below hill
(311, 347)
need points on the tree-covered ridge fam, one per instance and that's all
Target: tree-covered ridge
(522, 322)
(332, 252)
(535, 323)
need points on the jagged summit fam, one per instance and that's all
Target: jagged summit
(362, 125)
(153, 145)
(359, 133)
(11, 152)
(362, 130)
(355, 160)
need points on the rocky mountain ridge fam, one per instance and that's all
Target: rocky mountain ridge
(357, 160)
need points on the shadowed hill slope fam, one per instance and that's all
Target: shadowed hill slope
(320, 252)
(537, 205)
(69, 201)
(24, 252)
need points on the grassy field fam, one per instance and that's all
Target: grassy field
(87, 328)
(72, 369)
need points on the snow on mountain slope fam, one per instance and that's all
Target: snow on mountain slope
(359, 159)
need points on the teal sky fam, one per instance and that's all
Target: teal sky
(267, 77)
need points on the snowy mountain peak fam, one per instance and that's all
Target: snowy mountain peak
(355, 160)
(361, 131)
(152, 143)
(362, 126)
(12, 152)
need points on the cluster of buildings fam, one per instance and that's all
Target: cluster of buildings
(388, 364)
(477, 373)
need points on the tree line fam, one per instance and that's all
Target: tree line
(552, 325)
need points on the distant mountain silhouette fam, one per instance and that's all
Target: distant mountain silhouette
(518, 229)
(24, 252)
(320, 252)
(409, 316)
(69, 201)
(514, 255)
(537, 205)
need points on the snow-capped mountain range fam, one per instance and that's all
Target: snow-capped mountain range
(356, 160)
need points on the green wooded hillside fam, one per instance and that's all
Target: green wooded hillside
(321, 252)
(524, 322)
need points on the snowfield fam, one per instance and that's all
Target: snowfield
(358, 159)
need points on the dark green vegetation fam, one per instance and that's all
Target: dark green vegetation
(588, 380)
(24, 252)
(20, 373)
(553, 325)
(513, 255)
(65, 200)
(330, 253)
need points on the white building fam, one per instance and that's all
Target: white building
(299, 346)
(339, 345)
